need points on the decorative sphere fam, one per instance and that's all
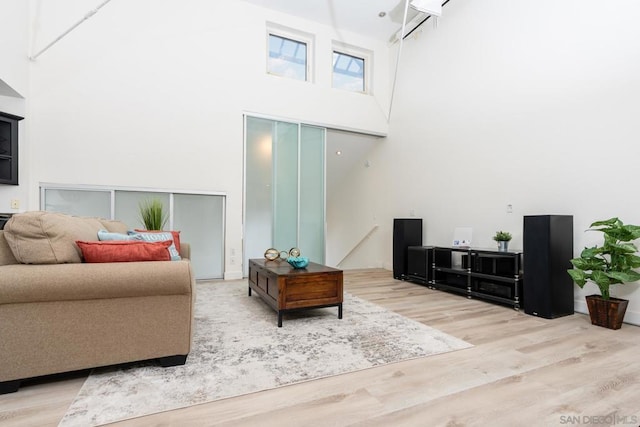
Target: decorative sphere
(294, 252)
(271, 254)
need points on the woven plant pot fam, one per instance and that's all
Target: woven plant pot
(607, 313)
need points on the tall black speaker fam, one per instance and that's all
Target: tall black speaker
(406, 232)
(548, 249)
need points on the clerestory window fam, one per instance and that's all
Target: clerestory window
(287, 57)
(348, 72)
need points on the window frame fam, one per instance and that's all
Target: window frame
(296, 36)
(359, 53)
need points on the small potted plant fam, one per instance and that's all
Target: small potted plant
(152, 214)
(606, 265)
(503, 238)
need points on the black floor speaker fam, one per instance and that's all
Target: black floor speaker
(419, 264)
(548, 249)
(406, 232)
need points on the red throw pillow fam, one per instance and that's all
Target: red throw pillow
(175, 234)
(125, 251)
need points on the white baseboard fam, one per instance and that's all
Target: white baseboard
(630, 317)
(233, 275)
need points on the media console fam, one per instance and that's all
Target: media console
(477, 273)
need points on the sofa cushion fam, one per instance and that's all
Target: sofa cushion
(106, 236)
(41, 237)
(175, 234)
(114, 226)
(158, 236)
(125, 251)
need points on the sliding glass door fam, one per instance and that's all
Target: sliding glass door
(200, 219)
(311, 231)
(285, 185)
(77, 202)
(127, 206)
(284, 188)
(258, 195)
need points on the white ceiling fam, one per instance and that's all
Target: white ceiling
(358, 16)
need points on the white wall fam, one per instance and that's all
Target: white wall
(13, 45)
(533, 104)
(505, 103)
(353, 230)
(14, 72)
(152, 94)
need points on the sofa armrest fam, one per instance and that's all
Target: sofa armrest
(185, 250)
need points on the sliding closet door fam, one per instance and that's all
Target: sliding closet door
(312, 193)
(198, 217)
(200, 220)
(77, 202)
(258, 189)
(285, 186)
(127, 206)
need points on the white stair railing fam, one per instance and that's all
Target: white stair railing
(357, 245)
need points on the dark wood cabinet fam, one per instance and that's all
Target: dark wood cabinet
(286, 289)
(9, 148)
(479, 273)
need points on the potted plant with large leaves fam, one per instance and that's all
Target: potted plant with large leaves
(606, 265)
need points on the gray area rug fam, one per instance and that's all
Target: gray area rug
(239, 349)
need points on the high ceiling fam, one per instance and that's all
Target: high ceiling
(358, 16)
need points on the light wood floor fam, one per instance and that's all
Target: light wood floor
(522, 370)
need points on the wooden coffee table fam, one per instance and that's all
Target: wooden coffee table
(285, 288)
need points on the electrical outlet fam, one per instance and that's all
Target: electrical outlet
(232, 261)
(15, 204)
(509, 208)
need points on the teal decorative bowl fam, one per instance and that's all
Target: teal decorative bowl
(298, 261)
